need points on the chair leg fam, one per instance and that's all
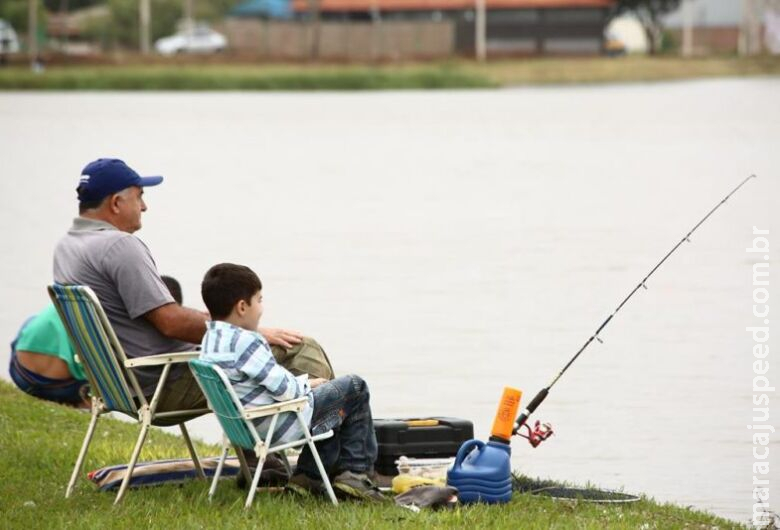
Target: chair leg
(193, 453)
(220, 465)
(255, 482)
(243, 464)
(83, 453)
(317, 460)
(133, 460)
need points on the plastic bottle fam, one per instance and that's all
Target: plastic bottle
(482, 472)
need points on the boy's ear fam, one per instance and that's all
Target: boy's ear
(241, 307)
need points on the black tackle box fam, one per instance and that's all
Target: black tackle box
(418, 438)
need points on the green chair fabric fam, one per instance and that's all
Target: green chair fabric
(236, 423)
(94, 347)
(113, 385)
(228, 412)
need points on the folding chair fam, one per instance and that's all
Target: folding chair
(236, 421)
(106, 366)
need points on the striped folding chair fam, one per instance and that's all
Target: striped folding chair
(236, 422)
(110, 379)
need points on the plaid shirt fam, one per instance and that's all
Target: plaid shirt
(257, 379)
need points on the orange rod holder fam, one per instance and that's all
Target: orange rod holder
(504, 422)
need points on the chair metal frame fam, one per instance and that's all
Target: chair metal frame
(109, 371)
(240, 431)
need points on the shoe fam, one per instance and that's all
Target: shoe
(358, 486)
(305, 486)
(275, 470)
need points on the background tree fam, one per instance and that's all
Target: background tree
(122, 27)
(649, 13)
(15, 13)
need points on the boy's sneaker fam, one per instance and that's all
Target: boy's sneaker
(305, 486)
(358, 486)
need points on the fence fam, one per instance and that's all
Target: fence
(358, 41)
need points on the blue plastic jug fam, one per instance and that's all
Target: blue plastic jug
(482, 472)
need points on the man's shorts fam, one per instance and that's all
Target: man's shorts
(308, 357)
(70, 391)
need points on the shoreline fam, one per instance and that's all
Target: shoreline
(186, 74)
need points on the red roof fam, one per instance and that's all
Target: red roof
(444, 5)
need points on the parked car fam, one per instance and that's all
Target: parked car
(9, 41)
(200, 39)
(613, 45)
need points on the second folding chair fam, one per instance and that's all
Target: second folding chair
(236, 422)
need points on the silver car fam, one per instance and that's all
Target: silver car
(200, 39)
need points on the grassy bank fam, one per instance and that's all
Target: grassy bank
(187, 74)
(39, 443)
(622, 69)
(239, 77)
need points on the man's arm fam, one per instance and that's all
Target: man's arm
(131, 267)
(281, 337)
(177, 322)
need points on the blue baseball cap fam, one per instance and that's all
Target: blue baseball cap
(105, 176)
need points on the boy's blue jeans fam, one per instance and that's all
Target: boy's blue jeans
(342, 405)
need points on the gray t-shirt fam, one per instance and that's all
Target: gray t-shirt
(120, 269)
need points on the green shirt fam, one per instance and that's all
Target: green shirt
(45, 334)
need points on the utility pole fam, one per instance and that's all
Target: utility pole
(742, 47)
(750, 32)
(757, 12)
(687, 33)
(144, 19)
(64, 26)
(189, 15)
(314, 29)
(32, 32)
(480, 30)
(772, 27)
(377, 33)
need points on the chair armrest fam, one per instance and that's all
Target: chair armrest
(163, 358)
(283, 406)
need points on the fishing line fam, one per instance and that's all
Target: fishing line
(540, 397)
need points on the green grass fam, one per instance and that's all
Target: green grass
(39, 442)
(627, 69)
(192, 73)
(219, 77)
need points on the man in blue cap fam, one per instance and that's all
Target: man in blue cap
(100, 251)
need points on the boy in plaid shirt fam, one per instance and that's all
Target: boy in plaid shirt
(233, 296)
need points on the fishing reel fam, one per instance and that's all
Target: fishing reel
(539, 433)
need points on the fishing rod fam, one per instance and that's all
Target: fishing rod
(540, 397)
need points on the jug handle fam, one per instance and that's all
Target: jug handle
(465, 449)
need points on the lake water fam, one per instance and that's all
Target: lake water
(446, 244)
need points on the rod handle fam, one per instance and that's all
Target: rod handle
(535, 402)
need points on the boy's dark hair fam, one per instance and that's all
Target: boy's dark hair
(224, 285)
(174, 287)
